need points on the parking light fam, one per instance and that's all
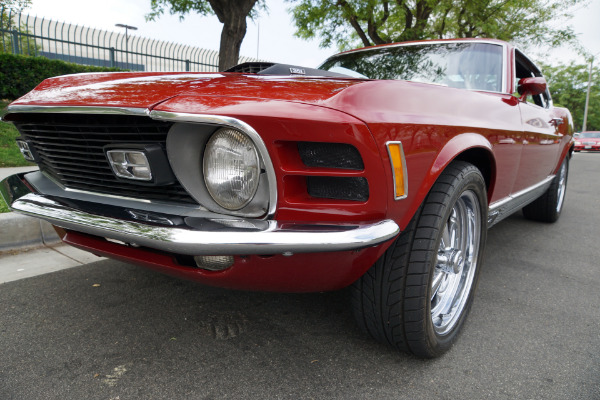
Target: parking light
(398, 162)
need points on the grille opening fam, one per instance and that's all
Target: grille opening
(330, 155)
(338, 188)
(71, 151)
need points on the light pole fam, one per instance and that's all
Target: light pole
(587, 96)
(127, 27)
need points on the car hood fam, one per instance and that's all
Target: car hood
(592, 139)
(147, 90)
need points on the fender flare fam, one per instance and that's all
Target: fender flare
(468, 147)
(453, 149)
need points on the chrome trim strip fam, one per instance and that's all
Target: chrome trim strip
(237, 124)
(503, 208)
(404, 171)
(95, 196)
(75, 110)
(206, 236)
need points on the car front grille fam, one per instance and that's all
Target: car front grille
(70, 149)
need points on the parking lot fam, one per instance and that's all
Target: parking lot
(109, 330)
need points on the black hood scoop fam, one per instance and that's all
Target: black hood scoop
(267, 68)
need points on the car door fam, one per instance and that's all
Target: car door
(540, 131)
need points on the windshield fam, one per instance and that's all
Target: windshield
(589, 135)
(476, 66)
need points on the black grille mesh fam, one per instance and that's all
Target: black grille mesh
(337, 156)
(330, 155)
(340, 188)
(70, 148)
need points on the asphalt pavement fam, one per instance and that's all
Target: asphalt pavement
(109, 330)
(30, 247)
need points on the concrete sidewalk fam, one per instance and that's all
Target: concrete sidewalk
(6, 172)
(18, 231)
(25, 263)
(30, 246)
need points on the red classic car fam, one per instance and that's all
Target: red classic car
(588, 141)
(381, 170)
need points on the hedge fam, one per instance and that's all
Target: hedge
(19, 74)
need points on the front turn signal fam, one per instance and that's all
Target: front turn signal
(398, 162)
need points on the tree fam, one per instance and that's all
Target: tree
(14, 5)
(568, 86)
(231, 13)
(15, 39)
(350, 23)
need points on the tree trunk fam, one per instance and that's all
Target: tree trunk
(232, 13)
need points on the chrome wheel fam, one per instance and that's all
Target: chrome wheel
(562, 186)
(417, 295)
(456, 263)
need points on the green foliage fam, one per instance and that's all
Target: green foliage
(10, 156)
(15, 5)
(568, 86)
(3, 206)
(8, 42)
(19, 74)
(231, 13)
(25, 44)
(180, 7)
(184, 7)
(352, 23)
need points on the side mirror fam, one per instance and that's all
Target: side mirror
(531, 86)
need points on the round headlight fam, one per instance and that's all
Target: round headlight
(231, 168)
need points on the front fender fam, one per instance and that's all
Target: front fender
(470, 147)
(456, 146)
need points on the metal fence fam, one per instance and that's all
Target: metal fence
(23, 34)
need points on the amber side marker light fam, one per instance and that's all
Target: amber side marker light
(396, 153)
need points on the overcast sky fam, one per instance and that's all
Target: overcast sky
(273, 32)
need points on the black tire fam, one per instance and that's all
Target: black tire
(547, 207)
(394, 300)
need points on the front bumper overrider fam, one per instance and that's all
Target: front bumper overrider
(193, 235)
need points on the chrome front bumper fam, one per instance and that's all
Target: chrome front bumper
(193, 235)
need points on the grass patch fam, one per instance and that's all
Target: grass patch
(10, 156)
(3, 206)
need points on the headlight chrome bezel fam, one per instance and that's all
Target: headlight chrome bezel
(222, 148)
(186, 145)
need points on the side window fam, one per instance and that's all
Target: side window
(524, 68)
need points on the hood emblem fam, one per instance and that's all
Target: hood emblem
(297, 71)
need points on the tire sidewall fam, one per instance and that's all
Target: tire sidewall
(473, 181)
(564, 165)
